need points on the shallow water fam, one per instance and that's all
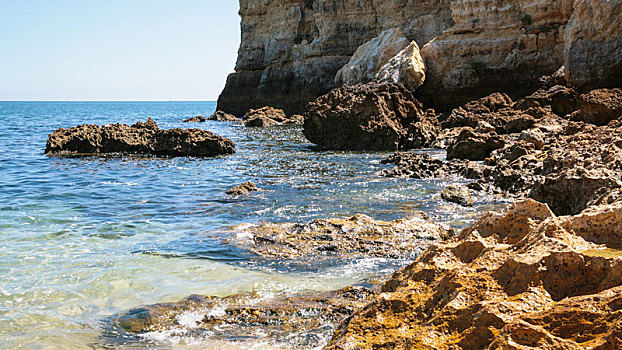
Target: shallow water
(84, 238)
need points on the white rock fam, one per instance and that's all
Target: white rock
(371, 56)
(407, 68)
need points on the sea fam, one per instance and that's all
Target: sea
(86, 238)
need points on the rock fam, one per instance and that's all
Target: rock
(363, 117)
(422, 166)
(371, 57)
(356, 237)
(593, 45)
(268, 116)
(242, 189)
(422, 133)
(459, 194)
(513, 280)
(298, 317)
(197, 119)
(601, 106)
(223, 117)
(406, 68)
(296, 119)
(563, 100)
(472, 146)
(534, 137)
(557, 78)
(291, 50)
(140, 138)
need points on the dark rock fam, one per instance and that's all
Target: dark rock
(365, 117)
(242, 189)
(140, 138)
(459, 194)
(268, 116)
(472, 146)
(197, 119)
(422, 166)
(562, 99)
(557, 78)
(223, 117)
(601, 106)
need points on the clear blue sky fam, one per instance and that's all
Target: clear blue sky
(116, 49)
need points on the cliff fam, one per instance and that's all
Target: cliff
(291, 50)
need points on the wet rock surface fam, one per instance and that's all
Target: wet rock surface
(140, 138)
(268, 116)
(355, 237)
(302, 320)
(242, 189)
(223, 117)
(368, 117)
(524, 278)
(197, 119)
(459, 194)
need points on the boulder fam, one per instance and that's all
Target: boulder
(363, 117)
(473, 146)
(223, 117)
(563, 100)
(593, 45)
(197, 119)
(370, 57)
(600, 106)
(140, 138)
(459, 194)
(407, 68)
(268, 116)
(242, 189)
(534, 137)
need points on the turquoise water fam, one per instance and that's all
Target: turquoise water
(84, 238)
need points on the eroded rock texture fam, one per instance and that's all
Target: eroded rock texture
(522, 279)
(140, 138)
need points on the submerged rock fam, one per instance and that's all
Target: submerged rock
(519, 279)
(291, 319)
(268, 116)
(358, 236)
(459, 194)
(223, 117)
(197, 119)
(242, 189)
(140, 138)
(367, 117)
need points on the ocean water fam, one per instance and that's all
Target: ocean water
(82, 239)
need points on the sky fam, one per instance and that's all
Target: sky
(117, 50)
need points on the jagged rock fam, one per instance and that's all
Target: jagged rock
(223, 117)
(514, 280)
(557, 78)
(371, 57)
(363, 117)
(534, 137)
(298, 317)
(358, 236)
(563, 100)
(406, 68)
(472, 146)
(459, 194)
(141, 138)
(242, 189)
(601, 106)
(422, 133)
(593, 45)
(422, 166)
(197, 119)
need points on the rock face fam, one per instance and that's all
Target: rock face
(522, 279)
(593, 49)
(356, 237)
(291, 50)
(140, 138)
(370, 57)
(406, 68)
(365, 117)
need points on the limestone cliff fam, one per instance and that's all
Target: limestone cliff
(291, 50)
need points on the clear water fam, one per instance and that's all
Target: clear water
(84, 238)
